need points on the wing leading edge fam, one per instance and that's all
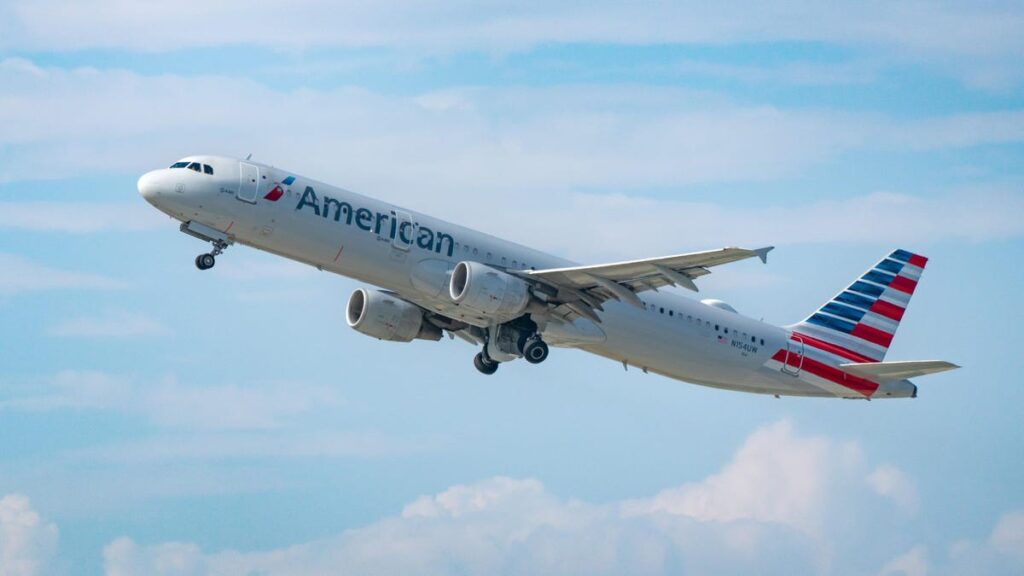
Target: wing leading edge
(582, 289)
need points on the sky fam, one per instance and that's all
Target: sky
(159, 420)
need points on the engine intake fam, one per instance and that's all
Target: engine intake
(487, 291)
(388, 317)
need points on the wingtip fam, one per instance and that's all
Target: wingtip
(762, 253)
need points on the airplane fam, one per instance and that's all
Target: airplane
(433, 277)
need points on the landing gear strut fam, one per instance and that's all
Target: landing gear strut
(206, 261)
(484, 364)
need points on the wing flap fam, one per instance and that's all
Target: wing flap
(902, 370)
(651, 272)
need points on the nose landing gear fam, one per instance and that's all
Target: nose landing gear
(206, 261)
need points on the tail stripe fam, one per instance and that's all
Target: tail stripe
(854, 299)
(881, 322)
(832, 322)
(869, 289)
(904, 284)
(890, 266)
(873, 335)
(832, 348)
(883, 308)
(847, 312)
(864, 317)
(879, 277)
(912, 259)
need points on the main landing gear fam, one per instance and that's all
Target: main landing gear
(508, 342)
(484, 364)
(206, 261)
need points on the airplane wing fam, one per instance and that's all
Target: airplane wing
(582, 289)
(898, 370)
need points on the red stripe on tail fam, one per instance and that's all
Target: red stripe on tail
(833, 348)
(873, 335)
(889, 310)
(903, 284)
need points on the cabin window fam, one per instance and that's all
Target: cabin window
(662, 310)
(762, 341)
(474, 252)
(726, 330)
(671, 313)
(515, 264)
(753, 339)
(503, 261)
(689, 318)
(489, 257)
(716, 327)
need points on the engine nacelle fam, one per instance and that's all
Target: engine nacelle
(388, 317)
(487, 291)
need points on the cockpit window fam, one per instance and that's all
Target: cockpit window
(179, 164)
(195, 167)
(208, 169)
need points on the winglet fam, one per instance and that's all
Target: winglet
(762, 253)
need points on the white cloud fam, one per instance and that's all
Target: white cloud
(78, 217)
(114, 325)
(1008, 535)
(19, 274)
(769, 511)
(463, 151)
(981, 43)
(891, 482)
(259, 405)
(28, 543)
(913, 563)
(776, 476)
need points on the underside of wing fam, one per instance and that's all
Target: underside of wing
(581, 290)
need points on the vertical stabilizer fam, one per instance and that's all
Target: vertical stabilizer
(860, 322)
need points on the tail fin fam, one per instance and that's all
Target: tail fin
(862, 320)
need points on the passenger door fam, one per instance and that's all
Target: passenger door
(248, 182)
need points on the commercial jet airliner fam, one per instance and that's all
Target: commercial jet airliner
(433, 277)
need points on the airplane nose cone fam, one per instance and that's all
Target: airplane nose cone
(149, 185)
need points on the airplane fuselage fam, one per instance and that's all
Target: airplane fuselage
(412, 254)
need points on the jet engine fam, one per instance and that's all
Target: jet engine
(487, 291)
(388, 317)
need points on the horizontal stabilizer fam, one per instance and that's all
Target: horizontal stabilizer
(883, 371)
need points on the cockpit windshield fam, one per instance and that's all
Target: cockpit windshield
(194, 166)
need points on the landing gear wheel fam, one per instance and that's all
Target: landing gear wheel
(484, 364)
(205, 261)
(535, 351)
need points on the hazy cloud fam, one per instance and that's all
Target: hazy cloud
(978, 42)
(19, 274)
(78, 217)
(515, 526)
(166, 402)
(891, 482)
(28, 543)
(113, 325)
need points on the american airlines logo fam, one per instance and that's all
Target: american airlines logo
(277, 192)
(383, 225)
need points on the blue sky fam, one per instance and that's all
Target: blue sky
(158, 420)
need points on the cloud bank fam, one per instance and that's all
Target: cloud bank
(786, 503)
